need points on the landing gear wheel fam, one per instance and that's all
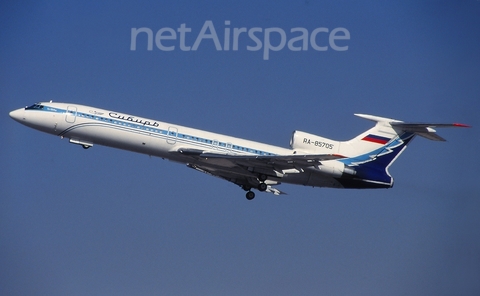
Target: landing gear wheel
(262, 186)
(262, 177)
(246, 187)
(250, 195)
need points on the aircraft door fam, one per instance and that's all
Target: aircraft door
(172, 135)
(222, 146)
(71, 114)
(229, 148)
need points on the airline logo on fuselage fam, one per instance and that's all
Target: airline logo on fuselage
(133, 119)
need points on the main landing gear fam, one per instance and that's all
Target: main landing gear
(261, 187)
(262, 178)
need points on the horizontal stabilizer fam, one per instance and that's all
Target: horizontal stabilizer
(376, 118)
(425, 129)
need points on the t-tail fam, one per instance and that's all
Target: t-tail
(368, 156)
(371, 153)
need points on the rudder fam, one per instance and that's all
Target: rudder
(372, 152)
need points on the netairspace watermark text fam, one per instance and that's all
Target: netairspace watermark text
(251, 39)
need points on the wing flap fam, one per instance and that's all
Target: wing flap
(274, 190)
(237, 178)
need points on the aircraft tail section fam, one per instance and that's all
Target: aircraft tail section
(371, 153)
(371, 140)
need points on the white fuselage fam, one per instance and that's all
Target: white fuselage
(87, 126)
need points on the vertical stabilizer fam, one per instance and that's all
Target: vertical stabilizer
(371, 153)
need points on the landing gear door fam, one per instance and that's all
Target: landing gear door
(71, 114)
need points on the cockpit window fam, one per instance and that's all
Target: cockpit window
(34, 106)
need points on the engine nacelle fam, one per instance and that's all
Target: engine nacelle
(313, 144)
(335, 169)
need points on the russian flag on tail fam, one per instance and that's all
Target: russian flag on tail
(376, 139)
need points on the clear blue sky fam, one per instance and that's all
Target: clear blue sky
(109, 222)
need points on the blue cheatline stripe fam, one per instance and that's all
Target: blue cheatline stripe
(372, 166)
(149, 131)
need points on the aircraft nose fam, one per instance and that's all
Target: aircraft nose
(18, 115)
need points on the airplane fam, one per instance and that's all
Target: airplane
(311, 160)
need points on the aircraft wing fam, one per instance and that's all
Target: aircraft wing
(244, 170)
(286, 161)
(243, 179)
(292, 161)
